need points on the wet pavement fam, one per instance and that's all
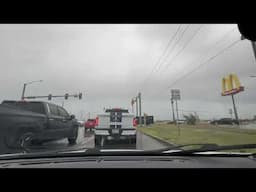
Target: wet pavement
(86, 140)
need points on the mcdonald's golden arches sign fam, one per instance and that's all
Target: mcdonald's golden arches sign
(231, 85)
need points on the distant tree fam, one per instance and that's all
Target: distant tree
(190, 119)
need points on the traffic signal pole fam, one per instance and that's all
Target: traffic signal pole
(50, 96)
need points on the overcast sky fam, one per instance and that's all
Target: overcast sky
(109, 64)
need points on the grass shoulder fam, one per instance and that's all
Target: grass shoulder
(201, 133)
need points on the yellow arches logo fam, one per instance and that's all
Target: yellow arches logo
(231, 85)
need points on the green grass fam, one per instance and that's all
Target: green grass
(190, 134)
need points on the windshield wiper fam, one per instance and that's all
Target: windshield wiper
(173, 151)
(177, 150)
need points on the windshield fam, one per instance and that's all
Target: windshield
(125, 86)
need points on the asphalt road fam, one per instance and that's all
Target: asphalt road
(86, 140)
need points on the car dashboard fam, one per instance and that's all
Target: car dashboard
(133, 162)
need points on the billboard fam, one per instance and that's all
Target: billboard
(231, 85)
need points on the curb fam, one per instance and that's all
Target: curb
(158, 139)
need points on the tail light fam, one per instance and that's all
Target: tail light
(97, 121)
(135, 122)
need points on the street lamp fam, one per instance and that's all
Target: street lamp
(24, 87)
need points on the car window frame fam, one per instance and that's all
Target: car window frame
(57, 115)
(59, 111)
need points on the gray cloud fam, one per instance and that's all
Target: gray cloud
(108, 63)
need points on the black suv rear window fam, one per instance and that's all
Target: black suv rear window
(28, 106)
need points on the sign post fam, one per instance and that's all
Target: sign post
(231, 86)
(234, 105)
(176, 96)
(173, 116)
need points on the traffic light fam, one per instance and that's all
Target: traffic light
(80, 95)
(66, 96)
(50, 97)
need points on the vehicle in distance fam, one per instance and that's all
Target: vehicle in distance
(90, 124)
(115, 124)
(81, 123)
(224, 121)
(34, 122)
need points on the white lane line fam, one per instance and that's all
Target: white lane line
(89, 139)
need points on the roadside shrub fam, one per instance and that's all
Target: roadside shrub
(190, 119)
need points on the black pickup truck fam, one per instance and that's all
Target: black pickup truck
(33, 122)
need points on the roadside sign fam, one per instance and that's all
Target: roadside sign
(175, 94)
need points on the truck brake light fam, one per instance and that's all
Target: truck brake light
(134, 122)
(97, 121)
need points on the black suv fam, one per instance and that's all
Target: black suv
(39, 121)
(224, 121)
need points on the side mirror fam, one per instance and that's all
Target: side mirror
(247, 31)
(71, 117)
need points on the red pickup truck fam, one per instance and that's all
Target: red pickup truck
(90, 124)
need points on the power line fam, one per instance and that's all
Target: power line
(166, 48)
(185, 45)
(199, 66)
(164, 52)
(219, 41)
(182, 34)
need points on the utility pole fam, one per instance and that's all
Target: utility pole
(137, 106)
(145, 119)
(139, 95)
